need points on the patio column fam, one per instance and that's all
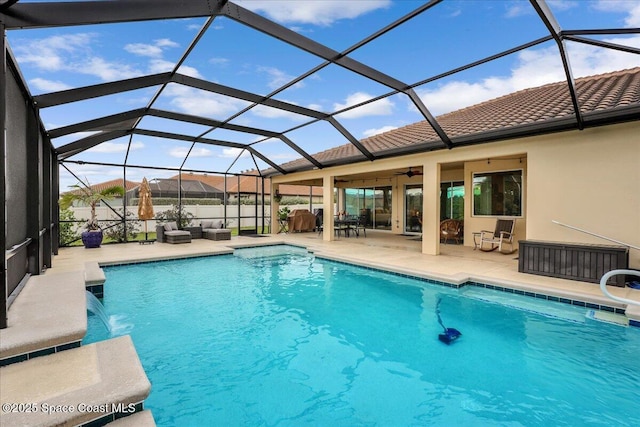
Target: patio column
(327, 208)
(274, 227)
(431, 209)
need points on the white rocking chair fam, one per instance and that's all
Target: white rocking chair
(503, 234)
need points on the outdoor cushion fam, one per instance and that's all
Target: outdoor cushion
(167, 227)
(173, 224)
(218, 224)
(177, 233)
(206, 224)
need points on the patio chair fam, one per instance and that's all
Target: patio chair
(213, 230)
(171, 234)
(451, 229)
(319, 221)
(360, 225)
(503, 234)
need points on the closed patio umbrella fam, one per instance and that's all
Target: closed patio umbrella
(145, 205)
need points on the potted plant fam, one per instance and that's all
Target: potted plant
(86, 195)
(283, 213)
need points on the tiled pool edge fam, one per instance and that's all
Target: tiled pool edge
(470, 282)
(40, 352)
(387, 269)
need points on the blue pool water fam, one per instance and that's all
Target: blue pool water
(275, 337)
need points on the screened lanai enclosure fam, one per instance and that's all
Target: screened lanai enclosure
(211, 101)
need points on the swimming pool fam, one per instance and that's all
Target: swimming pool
(274, 336)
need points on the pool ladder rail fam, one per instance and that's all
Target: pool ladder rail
(605, 278)
(604, 316)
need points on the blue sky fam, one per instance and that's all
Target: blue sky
(451, 34)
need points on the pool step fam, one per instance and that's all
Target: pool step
(96, 384)
(608, 317)
(49, 315)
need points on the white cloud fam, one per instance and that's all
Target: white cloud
(166, 43)
(219, 61)
(382, 107)
(631, 8)
(534, 67)
(189, 71)
(71, 52)
(276, 113)
(144, 49)
(94, 174)
(192, 101)
(371, 132)
(562, 5)
(181, 152)
(154, 50)
(52, 53)
(48, 85)
(324, 12)
(107, 71)
(162, 66)
(232, 152)
(515, 10)
(278, 78)
(115, 147)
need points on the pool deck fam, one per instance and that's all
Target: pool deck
(456, 263)
(36, 321)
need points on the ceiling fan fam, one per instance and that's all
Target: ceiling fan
(410, 172)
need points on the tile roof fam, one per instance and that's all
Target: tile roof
(544, 104)
(248, 184)
(118, 181)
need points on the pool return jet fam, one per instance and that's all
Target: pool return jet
(450, 334)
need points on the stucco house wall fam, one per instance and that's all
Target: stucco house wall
(588, 179)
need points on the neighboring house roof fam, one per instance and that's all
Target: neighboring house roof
(190, 188)
(509, 116)
(248, 184)
(129, 185)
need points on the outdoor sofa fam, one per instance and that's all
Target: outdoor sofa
(170, 233)
(212, 230)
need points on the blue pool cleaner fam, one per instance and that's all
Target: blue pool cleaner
(450, 334)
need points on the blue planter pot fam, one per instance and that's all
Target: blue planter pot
(92, 239)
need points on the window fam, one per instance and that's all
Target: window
(497, 193)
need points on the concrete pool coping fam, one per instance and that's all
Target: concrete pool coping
(75, 387)
(49, 315)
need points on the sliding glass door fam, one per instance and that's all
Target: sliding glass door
(373, 205)
(413, 209)
(452, 200)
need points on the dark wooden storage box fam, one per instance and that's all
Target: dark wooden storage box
(573, 261)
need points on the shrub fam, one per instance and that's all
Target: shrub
(116, 230)
(177, 214)
(68, 230)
